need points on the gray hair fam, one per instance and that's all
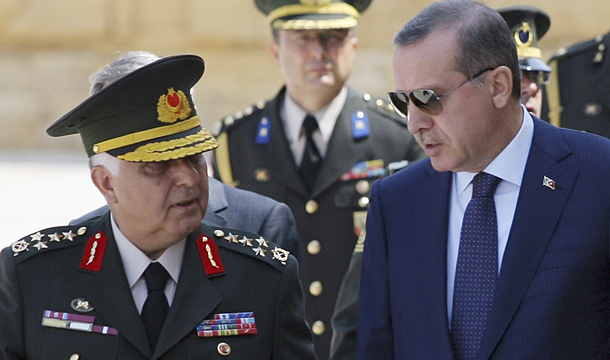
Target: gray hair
(120, 67)
(483, 37)
(105, 160)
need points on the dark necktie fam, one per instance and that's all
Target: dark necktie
(477, 268)
(310, 164)
(155, 307)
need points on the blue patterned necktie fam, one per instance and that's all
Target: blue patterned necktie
(477, 268)
(155, 307)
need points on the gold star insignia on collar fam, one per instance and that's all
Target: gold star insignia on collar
(259, 251)
(37, 237)
(55, 237)
(231, 238)
(262, 242)
(245, 241)
(69, 235)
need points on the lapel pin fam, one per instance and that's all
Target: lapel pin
(548, 182)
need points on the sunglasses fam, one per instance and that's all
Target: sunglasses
(425, 99)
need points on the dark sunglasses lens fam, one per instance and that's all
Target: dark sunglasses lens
(400, 102)
(427, 101)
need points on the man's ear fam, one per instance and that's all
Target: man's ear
(501, 86)
(102, 179)
(274, 50)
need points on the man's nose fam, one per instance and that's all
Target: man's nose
(185, 172)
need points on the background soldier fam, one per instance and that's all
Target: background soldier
(318, 145)
(579, 87)
(529, 24)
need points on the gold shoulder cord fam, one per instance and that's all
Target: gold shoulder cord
(223, 160)
(552, 91)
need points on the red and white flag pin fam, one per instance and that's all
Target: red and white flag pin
(548, 182)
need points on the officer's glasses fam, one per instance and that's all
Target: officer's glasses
(537, 77)
(425, 99)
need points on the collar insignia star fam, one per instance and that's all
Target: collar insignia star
(245, 241)
(69, 235)
(231, 238)
(262, 242)
(37, 237)
(40, 245)
(55, 237)
(259, 251)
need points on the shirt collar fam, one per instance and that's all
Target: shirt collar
(135, 261)
(509, 165)
(293, 116)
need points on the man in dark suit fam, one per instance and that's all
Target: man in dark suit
(579, 86)
(149, 280)
(317, 146)
(227, 206)
(496, 247)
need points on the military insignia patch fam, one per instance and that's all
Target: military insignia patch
(210, 258)
(173, 107)
(94, 252)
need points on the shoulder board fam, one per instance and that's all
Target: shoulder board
(251, 245)
(50, 239)
(576, 49)
(383, 108)
(233, 120)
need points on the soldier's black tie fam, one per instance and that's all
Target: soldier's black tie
(310, 164)
(477, 268)
(155, 307)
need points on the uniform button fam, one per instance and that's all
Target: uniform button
(318, 327)
(315, 288)
(363, 202)
(314, 247)
(74, 357)
(311, 206)
(363, 187)
(223, 348)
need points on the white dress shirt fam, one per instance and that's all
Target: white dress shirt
(509, 166)
(293, 116)
(135, 263)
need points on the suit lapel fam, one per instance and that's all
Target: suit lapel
(112, 289)
(432, 253)
(194, 300)
(217, 203)
(537, 214)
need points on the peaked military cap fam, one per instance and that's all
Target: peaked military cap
(528, 24)
(312, 14)
(148, 115)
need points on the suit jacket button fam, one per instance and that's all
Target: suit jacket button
(311, 206)
(318, 327)
(315, 288)
(223, 348)
(74, 357)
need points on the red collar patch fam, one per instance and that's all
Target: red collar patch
(209, 255)
(94, 252)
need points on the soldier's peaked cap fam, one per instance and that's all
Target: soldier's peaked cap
(528, 25)
(147, 115)
(312, 14)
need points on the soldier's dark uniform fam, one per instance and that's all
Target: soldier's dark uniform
(330, 218)
(64, 291)
(254, 154)
(578, 90)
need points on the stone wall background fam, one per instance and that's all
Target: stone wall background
(49, 48)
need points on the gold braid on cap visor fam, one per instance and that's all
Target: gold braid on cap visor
(333, 8)
(162, 151)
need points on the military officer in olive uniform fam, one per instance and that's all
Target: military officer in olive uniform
(579, 86)
(317, 146)
(528, 25)
(148, 279)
